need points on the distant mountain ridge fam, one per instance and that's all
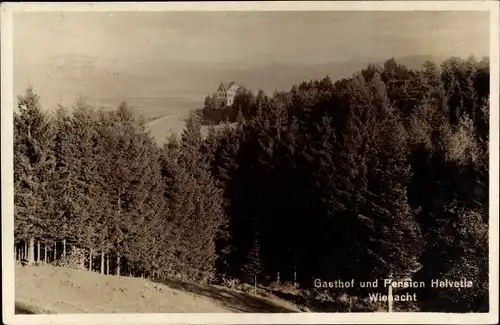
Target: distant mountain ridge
(173, 91)
(64, 78)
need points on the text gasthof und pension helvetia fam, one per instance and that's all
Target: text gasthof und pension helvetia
(386, 283)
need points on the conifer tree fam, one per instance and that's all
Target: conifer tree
(34, 165)
(65, 172)
(253, 266)
(194, 206)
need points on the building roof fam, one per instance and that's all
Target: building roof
(227, 85)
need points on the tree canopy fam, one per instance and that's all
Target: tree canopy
(384, 173)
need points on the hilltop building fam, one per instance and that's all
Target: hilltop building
(227, 92)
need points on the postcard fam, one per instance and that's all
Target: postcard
(250, 162)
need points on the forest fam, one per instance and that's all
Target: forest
(381, 174)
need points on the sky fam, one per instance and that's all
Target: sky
(152, 54)
(252, 37)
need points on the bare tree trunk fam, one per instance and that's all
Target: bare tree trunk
(25, 254)
(118, 264)
(90, 261)
(55, 251)
(82, 261)
(107, 263)
(64, 248)
(38, 257)
(119, 213)
(295, 271)
(45, 247)
(31, 252)
(102, 262)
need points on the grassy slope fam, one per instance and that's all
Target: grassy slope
(56, 290)
(163, 127)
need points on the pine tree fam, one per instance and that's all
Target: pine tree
(34, 165)
(194, 205)
(86, 203)
(253, 266)
(63, 185)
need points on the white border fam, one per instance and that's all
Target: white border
(257, 6)
(7, 10)
(494, 150)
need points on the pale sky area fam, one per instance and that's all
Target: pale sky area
(180, 57)
(302, 37)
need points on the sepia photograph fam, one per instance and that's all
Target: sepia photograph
(272, 160)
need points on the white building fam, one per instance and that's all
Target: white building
(226, 92)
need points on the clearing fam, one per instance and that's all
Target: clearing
(48, 289)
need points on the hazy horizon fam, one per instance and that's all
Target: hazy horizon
(179, 57)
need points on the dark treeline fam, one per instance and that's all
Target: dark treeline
(382, 174)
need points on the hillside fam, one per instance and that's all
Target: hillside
(163, 127)
(199, 209)
(57, 290)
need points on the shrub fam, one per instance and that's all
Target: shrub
(74, 259)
